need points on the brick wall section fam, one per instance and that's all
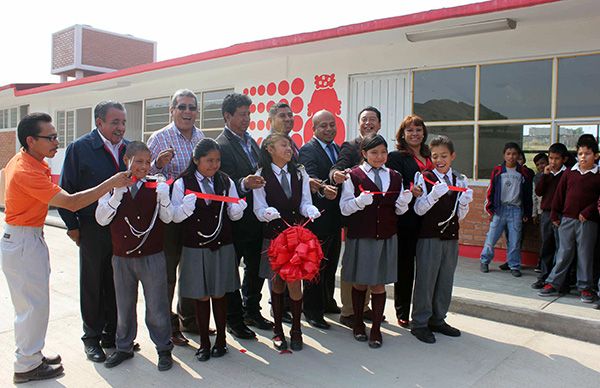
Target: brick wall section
(112, 51)
(474, 227)
(63, 49)
(7, 146)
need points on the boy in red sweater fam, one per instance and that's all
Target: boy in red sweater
(575, 212)
(545, 188)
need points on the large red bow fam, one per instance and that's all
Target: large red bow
(296, 254)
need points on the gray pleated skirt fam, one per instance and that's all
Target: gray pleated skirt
(203, 272)
(371, 262)
(264, 270)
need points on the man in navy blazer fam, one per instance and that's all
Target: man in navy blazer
(90, 160)
(239, 159)
(318, 156)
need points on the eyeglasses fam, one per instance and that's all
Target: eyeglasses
(183, 107)
(49, 138)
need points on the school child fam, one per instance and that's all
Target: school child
(509, 204)
(372, 199)
(544, 188)
(437, 246)
(208, 268)
(575, 212)
(284, 199)
(137, 216)
(541, 161)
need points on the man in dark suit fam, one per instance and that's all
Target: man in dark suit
(90, 160)
(369, 121)
(318, 156)
(281, 119)
(239, 159)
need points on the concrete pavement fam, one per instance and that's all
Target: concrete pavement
(488, 354)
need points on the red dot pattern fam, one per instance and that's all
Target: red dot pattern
(297, 105)
(297, 86)
(261, 90)
(271, 88)
(260, 125)
(261, 107)
(284, 87)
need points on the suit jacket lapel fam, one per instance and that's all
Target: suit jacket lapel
(237, 147)
(321, 151)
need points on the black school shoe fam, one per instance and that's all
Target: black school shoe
(516, 273)
(217, 352)
(117, 358)
(538, 285)
(445, 329)
(258, 321)
(423, 334)
(241, 331)
(203, 354)
(43, 372)
(485, 268)
(279, 342)
(504, 267)
(165, 360)
(95, 353)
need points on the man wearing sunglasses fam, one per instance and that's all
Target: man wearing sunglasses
(88, 161)
(172, 148)
(25, 258)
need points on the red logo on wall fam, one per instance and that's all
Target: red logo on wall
(323, 97)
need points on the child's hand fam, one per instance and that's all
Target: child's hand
(364, 199)
(547, 170)
(417, 191)
(582, 218)
(189, 203)
(117, 196)
(466, 197)
(271, 214)
(438, 190)
(313, 212)
(162, 193)
(404, 198)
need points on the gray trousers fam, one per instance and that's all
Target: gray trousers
(151, 271)
(575, 235)
(26, 265)
(549, 234)
(435, 266)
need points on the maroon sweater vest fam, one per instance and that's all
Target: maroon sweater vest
(206, 217)
(576, 194)
(139, 212)
(439, 213)
(546, 187)
(378, 220)
(288, 208)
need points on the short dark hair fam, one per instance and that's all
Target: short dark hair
(103, 107)
(512, 146)
(589, 142)
(370, 109)
(183, 93)
(442, 140)
(371, 141)
(30, 126)
(275, 107)
(134, 147)
(233, 101)
(559, 148)
(540, 156)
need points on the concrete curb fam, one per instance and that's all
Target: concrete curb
(566, 326)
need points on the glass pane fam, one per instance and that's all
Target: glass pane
(516, 90)
(70, 127)
(60, 128)
(446, 95)
(491, 144)
(211, 108)
(13, 118)
(462, 137)
(579, 87)
(2, 118)
(569, 134)
(156, 113)
(536, 137)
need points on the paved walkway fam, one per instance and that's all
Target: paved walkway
(488, 353)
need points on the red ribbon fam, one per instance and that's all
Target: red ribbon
(362, 190)
(296, 254)
(214, 197)
(451, 188)
(153, 184)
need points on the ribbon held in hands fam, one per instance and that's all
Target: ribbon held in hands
(451, 188)
(362, 190)
(153, 183)
(214, 197)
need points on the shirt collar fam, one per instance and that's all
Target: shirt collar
(441, 176)
(367, 167)
(593, 170)
(201, 177)
(30, 159)
(244, 139)
(563, 168)
(277, 170)
(108, 143)
(176, 130)
(322, 143)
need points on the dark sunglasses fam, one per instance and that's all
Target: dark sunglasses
(183, 107)
(49, 138)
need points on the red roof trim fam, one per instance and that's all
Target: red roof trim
(307, 37)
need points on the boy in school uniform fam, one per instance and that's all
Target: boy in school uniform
(509, 204)
(437, 247)
(137, 217)
(575, 213)
(541, 161)
(544, 189)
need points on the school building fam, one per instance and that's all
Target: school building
(483, 74)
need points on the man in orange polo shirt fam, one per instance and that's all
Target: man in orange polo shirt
(25, 257)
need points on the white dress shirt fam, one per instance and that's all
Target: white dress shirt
(593, 170)
(113, 148)
(425, 202)
(348, 205)
(260, 197)
(179, 192)
(105, 213)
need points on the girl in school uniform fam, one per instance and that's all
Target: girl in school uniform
(372, 199)
(208, 267)
(285, 198)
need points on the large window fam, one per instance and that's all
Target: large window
(445, 95)
(156, 114)
(9, 118)
(212, 118)
(579, 86)
(482, 107)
